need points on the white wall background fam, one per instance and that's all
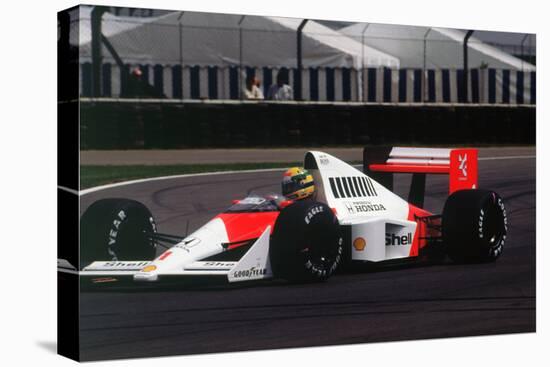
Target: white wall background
(28, 184)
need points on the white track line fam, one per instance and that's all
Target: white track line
(103, 187)
(64, 188)
(109, 186)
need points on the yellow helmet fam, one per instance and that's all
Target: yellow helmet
(297, 184)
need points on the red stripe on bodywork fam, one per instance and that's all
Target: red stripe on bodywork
(414, 213)
(243, 226)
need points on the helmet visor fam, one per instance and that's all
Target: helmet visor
(291, 186)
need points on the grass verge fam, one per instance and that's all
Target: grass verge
(91, 176)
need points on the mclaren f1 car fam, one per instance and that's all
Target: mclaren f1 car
(353, 219)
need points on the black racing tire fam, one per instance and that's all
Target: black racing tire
(474, 226)
(306, 245)
(116, 230)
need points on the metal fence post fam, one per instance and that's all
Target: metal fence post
(522, 50)
(241, 57)
(180, 29)
(298, 81)
(423, 85)
(465, 73)
(180, 26)
(97, 14)
(363, 62)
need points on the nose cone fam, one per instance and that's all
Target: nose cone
(204, 242)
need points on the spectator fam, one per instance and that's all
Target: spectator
(281, 91)
(252, 89)
(138, 87)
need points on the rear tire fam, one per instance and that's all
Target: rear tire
(474, 226)
(116, 230)
(306, 245)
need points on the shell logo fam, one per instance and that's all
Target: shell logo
(359, 244)
(149, 268)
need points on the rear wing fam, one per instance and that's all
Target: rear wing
(460, 165)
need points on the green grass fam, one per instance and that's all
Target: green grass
(91, 176)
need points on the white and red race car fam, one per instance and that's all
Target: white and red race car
(354, 218)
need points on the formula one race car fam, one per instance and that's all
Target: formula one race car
(354, 218)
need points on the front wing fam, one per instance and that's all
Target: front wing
(254, 265)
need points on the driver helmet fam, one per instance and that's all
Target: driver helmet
(297, 184)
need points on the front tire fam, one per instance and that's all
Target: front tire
(474, 226)
(116, 230)
(306, 244)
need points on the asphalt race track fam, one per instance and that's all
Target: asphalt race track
(403, 303)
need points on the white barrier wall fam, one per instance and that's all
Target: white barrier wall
(377, 85)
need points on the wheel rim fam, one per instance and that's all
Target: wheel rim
(142, 246)
(494, 227)
(321, 251)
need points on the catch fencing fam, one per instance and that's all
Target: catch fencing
(187, 55)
